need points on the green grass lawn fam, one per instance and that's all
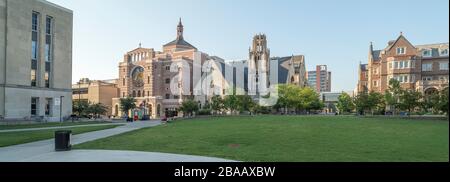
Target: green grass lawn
(292, 138)
(50, 124)
(14, 138)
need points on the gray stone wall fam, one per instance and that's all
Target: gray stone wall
(15, 58)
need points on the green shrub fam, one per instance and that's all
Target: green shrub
(204, 112)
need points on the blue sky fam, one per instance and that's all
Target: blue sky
(335, 33)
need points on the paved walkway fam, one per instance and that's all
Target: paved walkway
(24, 151)
(119, 156)
(58, 127)
(43, 151)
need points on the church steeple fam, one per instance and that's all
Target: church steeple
(180, 30)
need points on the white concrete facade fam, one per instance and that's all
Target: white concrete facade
(16, 90)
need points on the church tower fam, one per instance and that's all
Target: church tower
(259, 57)
(180, 30)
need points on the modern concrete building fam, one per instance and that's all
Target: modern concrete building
(96, 91)
(420, 67)
(320, 79)
(35, 60)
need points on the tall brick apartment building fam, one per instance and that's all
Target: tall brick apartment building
(420, 67)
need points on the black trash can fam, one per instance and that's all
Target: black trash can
(62, 140)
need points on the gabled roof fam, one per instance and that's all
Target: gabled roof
(399, 37)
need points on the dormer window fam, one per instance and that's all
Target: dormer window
(443, 52)
(426, 53)
(401, 50)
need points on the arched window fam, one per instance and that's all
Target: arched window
(139, 93)
(134, 93)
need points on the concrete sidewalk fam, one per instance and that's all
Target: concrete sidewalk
(58, 127)
(26, 151)
(119, 156)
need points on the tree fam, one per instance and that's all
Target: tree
(245, 103)
(431, 102)
(443, 104)
(392, 95)
(409, 100)
(216, 103)
(345, 103)
(361, 101)
(80, 107)
(97, 109)
(230, 103)
(289, 96)
(307, 99)
(374, 101)
(126, 104)
(189, 106)
(283, 101)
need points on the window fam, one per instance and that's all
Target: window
(167, 80)
(167, 96)
(148, 79)
(375, 83)
(35, 21)
(427, 78)
(401, 65)
(401, 50)
(443, 66)
(123, 94)
(395, 65)
(403, 78)
(443, 78)
(34, 48)
(443, 52)
(34, 106)
(176, 97)
(48, 106)
(34, 51)
(33, 77)
(168, 68)
(427, 53)
(427, 67)
(47, 79)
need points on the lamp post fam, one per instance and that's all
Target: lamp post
(60, 108)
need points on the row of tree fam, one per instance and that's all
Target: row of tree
(290, 98)
(85, 109)
(396, 99)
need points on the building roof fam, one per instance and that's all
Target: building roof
(178, 42)
(282, 71)
(435, 48)
(363, 67)
(376, 55)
